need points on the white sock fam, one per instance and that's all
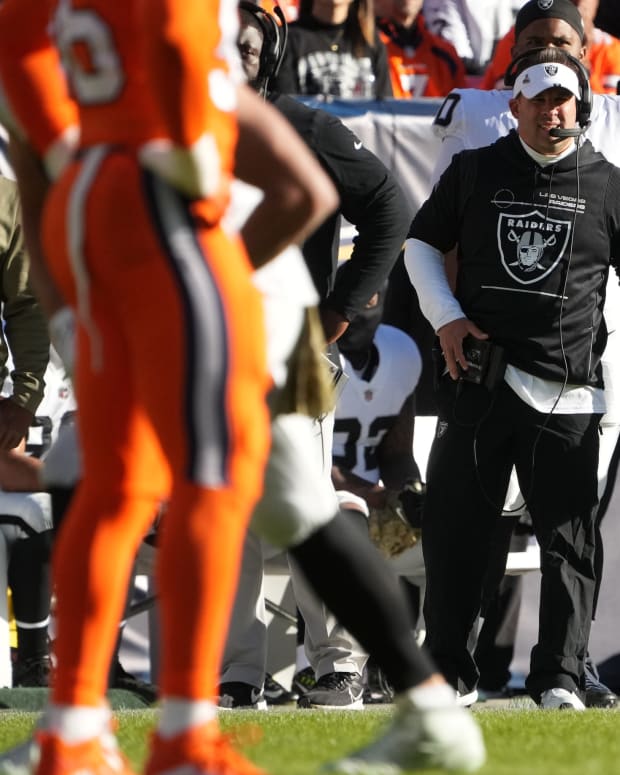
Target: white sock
(178, 714)
(77, 723)
(301, 660)
(428, 697)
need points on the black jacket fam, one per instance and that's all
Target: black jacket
(370, 199)
(319, 59)
(532, 267)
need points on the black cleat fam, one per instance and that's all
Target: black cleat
(33, 672)
(276, 694)
(597, 694)
(121, 679)
(236, 694)
(377, 691)
(303, 681)
(340, 691)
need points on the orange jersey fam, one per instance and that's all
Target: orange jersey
(493, 77)
(603, 63)
(421, 63)
(37, 97)
(118, 65)
(155, 280)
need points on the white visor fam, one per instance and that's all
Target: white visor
(547, 75)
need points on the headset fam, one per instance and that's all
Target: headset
(584, 104)
(275, 36)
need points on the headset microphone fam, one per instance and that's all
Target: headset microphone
(562, 132)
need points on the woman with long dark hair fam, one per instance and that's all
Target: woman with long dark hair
(334, 50)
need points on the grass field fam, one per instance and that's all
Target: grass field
(297, 742)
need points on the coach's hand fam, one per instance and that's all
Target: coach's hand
(451, 340)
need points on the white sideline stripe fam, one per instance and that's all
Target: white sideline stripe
(76, 224)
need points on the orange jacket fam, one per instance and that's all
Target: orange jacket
(603, 63)
(421, 64)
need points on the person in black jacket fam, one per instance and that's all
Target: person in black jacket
(335, 51)
(342, 566)
(372, 200)
(536, 217)
(370, 197)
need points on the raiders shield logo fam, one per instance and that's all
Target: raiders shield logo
(531, 245)
(442, 427)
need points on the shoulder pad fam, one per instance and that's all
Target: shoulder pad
(477, 117)
(604, 127)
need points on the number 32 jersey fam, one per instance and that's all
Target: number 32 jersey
(366, 410)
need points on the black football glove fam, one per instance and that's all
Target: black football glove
(412, 501)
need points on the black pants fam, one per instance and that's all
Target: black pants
(501, 601)
(480, 436)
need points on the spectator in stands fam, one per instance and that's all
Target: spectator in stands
(472, 26)
(602, 58)
(290, 9)
(334, 50)
(421, 63)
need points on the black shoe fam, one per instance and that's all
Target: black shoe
(121, 679)
(276, 694)
(341, 691)
(33, 672)
(505, 693)
(377, 691)
(235, 694)
(597, 694)
(303, 681)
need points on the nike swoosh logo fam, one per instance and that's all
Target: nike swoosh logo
(357, 146)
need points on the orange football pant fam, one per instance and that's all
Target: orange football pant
(170, 381)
